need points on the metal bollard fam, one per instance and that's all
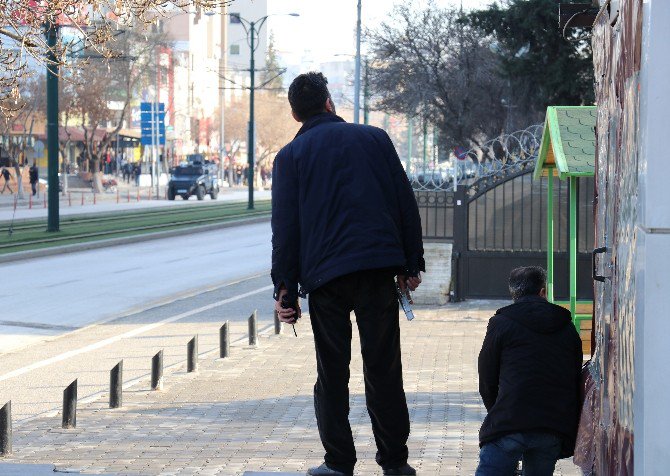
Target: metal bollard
(30, 202)
(69, 199)
(6, 429)
(157, 371)
(253, 329)
(128, 195)
(94, 202)
(224, 341)
(82, 199)
(70, 406)
(45, 200)
(278, 324)
(117, 195)
(116, 386)
(192, 355)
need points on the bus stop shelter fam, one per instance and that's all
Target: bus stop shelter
(567, 151)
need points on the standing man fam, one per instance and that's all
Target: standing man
(7, 176)
(34, 176)
(529, 374)
(345, 223)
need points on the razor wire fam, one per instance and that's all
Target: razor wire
(488, 163)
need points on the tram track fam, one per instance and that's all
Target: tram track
(110, 217)
(27, 236)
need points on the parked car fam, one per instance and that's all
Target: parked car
(193, 179)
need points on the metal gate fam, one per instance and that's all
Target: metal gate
(436, 208)
(501, 223)
(497, 218)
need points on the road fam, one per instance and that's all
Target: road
(61, 293)
(143, 297)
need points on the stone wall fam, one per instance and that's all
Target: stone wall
(437, 279)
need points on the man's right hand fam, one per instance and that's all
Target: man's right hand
(287, 315)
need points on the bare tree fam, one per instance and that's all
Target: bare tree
(430, 64)
(237, 125)
(95, 86)
(276, 127)
(17, 127)
(91, 24)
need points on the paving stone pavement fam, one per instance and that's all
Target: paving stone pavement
(254, 410)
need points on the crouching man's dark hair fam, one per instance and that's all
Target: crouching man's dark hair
(307, 95)
(527, 281)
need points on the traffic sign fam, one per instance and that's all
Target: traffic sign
(460, 153)
(152, 123)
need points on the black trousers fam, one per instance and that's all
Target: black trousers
(372, 297)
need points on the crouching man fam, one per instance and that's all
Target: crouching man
(529, 373)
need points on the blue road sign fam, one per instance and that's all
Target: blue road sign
(152, 122)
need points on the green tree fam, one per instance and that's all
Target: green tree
(271, 79)
(541, 66)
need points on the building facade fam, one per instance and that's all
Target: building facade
(238, 51)
(624, 427)
(194, 63)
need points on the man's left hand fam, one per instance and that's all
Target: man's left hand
(411, 282)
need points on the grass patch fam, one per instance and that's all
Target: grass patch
(32, 234)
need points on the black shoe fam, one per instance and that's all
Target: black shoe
(404, 470)
(325, 471)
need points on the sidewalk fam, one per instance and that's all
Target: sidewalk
(254, 411)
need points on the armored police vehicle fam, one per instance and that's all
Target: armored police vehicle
(193, 178)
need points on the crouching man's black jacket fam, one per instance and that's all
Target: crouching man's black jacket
(529, 372)
(341, 203)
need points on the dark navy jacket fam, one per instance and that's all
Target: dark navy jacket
(529, 372)
(341, 203)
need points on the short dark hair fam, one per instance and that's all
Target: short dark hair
(527, 281)
(308, 94)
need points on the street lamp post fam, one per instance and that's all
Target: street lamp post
(251, 147)
(53, 219)
(253, 28)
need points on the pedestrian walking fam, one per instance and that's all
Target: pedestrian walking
(7, 176)
(345, 223)
(125, 169)
(529, 374)
(34, 176)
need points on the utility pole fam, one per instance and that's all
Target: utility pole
(357, 78)
(156, 121)
(222, 100)
(366, 94)
(410, 133)
(425, 144)
(53, 218)
(251, 147)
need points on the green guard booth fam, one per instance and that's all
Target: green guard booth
(567, 151)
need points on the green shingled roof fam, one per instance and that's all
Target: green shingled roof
(568, 141)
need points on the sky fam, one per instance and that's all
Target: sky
(326, 28)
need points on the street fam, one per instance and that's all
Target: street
(207, 277)
(82, 288)
(157, 295)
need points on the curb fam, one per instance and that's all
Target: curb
(59, 250)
